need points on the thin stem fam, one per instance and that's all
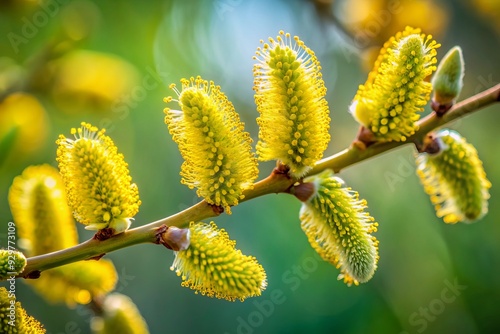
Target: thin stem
(89, 249)
(275, 183)
(353, 154)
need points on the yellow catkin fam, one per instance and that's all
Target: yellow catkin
(11, 263)
(290, 97)
(218, 159)
(85, 80)
(44, 224)
(24, 126)
(76, 283)
(120, 315)
(339, 229)
(454, 178)
(388, 104)
(43, 220)
(13, 317)
(99, 187)
(212, 266)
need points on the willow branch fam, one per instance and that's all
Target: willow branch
(353, 154)
(277, 182)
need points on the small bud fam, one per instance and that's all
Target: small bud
(100, 189)
(13, 317)
(304, 191)
(218, 158)
(448, 80)
(175, 238)
(339, 229)
(454, 179)
(212, 266)
(388, 104)
(42, 218)
(119, 315)
(76, 283)
(11, 263)
(290, 97)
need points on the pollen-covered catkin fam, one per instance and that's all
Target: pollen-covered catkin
(290, 95)
(218, 159)
(119, 315)
(13, 317)
(37, 200)
(98, 183)
(212, 266)
(339, 229)
(454, 178)
(396, 91)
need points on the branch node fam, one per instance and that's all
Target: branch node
(281, 169)
(104, 234)
(159, 232)
(217, 209)
(440, 109)
(364, 138)
(303, 191)
(173, 238)
(97, 257)
(33, 274)
(430, 144)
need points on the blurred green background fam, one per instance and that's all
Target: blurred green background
(432, 277)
